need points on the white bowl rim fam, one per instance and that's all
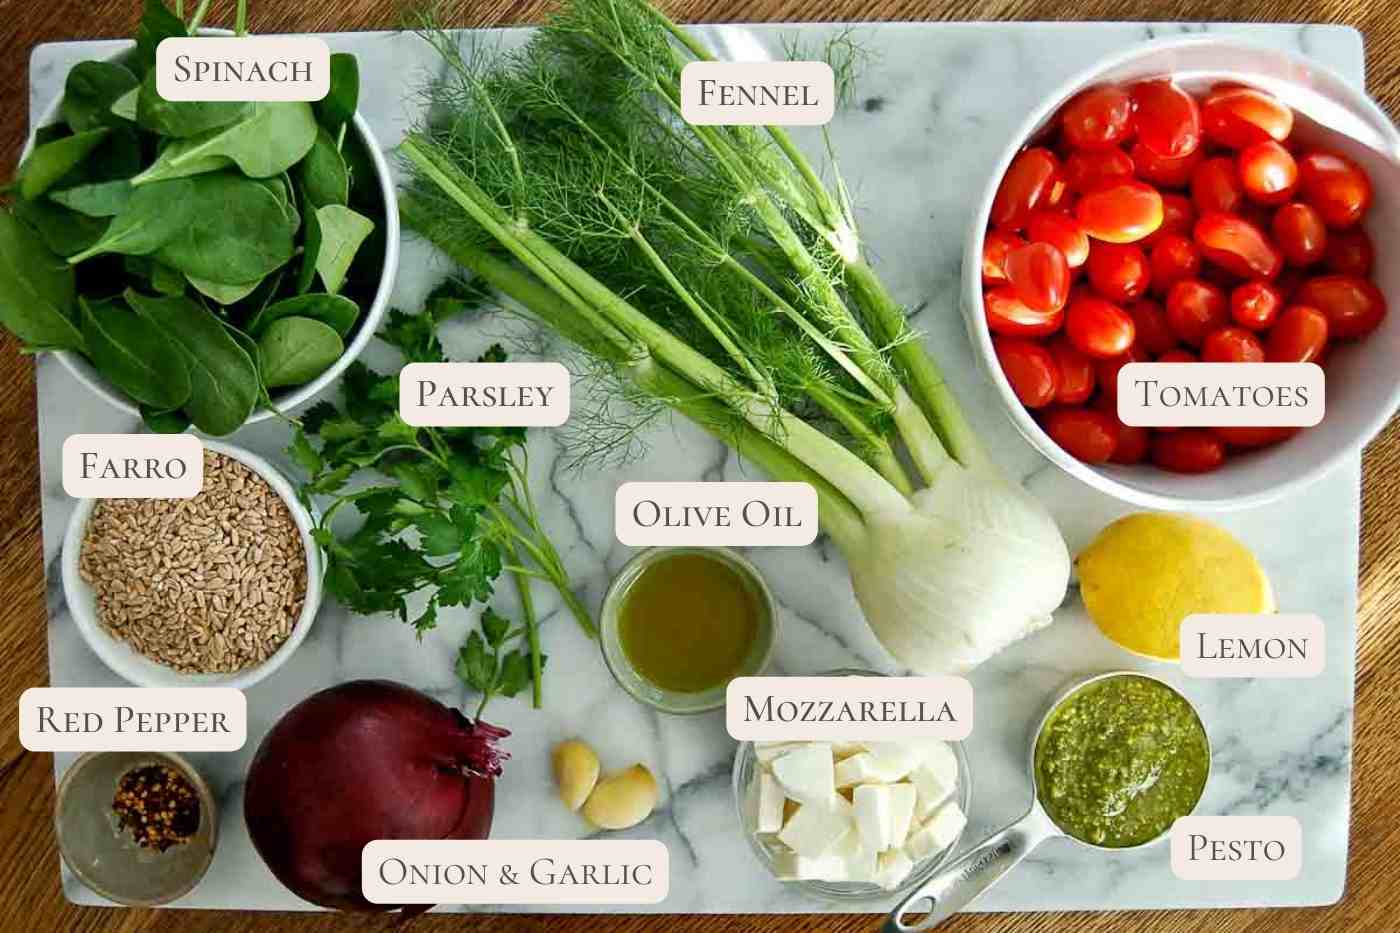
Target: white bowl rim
(125, 661)
(981, 335)
(288, 401)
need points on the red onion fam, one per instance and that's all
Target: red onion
(360, 761)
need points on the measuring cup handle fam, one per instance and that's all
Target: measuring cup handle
(958, 884)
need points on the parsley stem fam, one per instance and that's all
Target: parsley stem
(532, 627)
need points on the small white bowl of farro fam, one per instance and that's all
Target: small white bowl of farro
(213, 591)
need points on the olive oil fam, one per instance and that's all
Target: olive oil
(689, 622)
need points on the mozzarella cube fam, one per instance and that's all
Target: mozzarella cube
(938, 833)
(891, 868)
(765, 752)
(807, 773)
(768, 804)
(873, 808)
(902, 801)
(894, 760)
(858, 769)
(846, 749)
(931, 789)
(817, 829)
(789, 866)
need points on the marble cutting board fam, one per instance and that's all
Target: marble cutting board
(935, 105)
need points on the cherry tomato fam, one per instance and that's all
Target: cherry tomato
(994, 252)
(1174, 258)
(1087, 169)
(1248, 438)
(1133, 443)
(1238, 246)
(1098, 328)
(1336, 186)
(1300, 233)
(1026, 184)
(1353, 305)
(1106, 373)
(1168, 119)
(1029, 368)
(1061, 231)
(1150, 327)
(1288, 283)
(1350, 253)
(1256, 305)
(1190, 450)
(1300, 336)
(1178, 216)
(1076, 373)
(1268, 173)
(1236, 117)
(1119, 271)
(1194, 309)
(1098, 117)
(1232, 345)
(1178, 356)
(1039, 275)
(1216, 186)
(1166, 173)
(1120, 212)
(1084, 433)
(1009, 316)
(1060, 196)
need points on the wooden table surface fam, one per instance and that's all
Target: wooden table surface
(28, 858)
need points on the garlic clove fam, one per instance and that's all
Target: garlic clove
(575, 772)
(622, 800)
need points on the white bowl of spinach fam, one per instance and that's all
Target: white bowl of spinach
(200, 263)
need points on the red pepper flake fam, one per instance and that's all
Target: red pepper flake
(158, 805)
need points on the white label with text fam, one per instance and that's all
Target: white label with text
(484, 394)
(238, 68)
(1237, 848)
(715, 514)
(1204, 395)
(133, 719)
(133, 466)
(755, 93)
(768, 709)
(515, 871)
(1221, 645)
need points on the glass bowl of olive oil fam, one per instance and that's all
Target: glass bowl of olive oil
(679, 623)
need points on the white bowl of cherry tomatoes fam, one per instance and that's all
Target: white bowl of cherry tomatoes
(1196, 199)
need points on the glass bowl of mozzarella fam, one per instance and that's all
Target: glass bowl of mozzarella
(852, 821)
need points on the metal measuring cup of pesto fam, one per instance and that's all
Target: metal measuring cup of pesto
(1115, 761)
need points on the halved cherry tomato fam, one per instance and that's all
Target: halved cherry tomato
(1216, 186)
(1249, 438)
(1300, 233)
(995, 248)
(1119, 271)
(1268, 173)
(1190, 450)
(1150, 327)
(1039, 275)
(1029, 368)
(1178, 216)
(1238, 246)
(1122, 211)
(1174, 258)
(1165, 173)
(1076, 373)
(1099, 328)
(1168, 119)
(1236, 117)
(1061, 231)
(1232, 345)
(1336, 186)
(1194, 309)
(1354, 306)
(1087, 169)
(1025, 186)
(1098, 117)
(1085, 434)
(1300, 336)
(1178, 356)
(1106, 372)
(1009, 316)
(1350, 253)
(1256, 305)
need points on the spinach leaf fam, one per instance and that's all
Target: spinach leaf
(124, 107)
(164, 422)
(117, 158)
(97, 199)
(184, 118)
(323, 175)
(90, 91)
(47, 134)
(134, 355)
(223, 378)
(295, 350)
(223, 294)
(342, 232)
(273, 138)
(335, 310)
(153, 215)
(157, 23)
(239, 232)
(311, 249)
(63, 231)
(37, 290)
(339, 104)
(162, 278)
(48, 163)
